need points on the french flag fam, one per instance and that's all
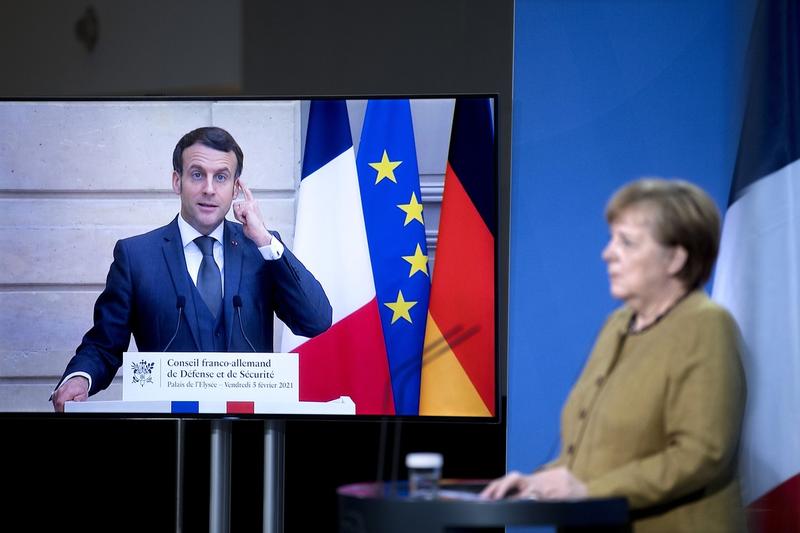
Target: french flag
(331, 240)
(758, 272)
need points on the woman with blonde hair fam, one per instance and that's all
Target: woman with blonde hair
(656, 414)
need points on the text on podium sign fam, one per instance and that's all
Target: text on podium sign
(195, 376)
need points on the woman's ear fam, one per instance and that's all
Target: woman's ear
(678, 260)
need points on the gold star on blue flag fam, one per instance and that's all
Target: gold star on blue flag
(393, 214)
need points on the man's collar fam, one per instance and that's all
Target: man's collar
(189, 234)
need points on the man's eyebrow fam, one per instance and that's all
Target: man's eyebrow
(196, 166)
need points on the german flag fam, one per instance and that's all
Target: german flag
(458, 367)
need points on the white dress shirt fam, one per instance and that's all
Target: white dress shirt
(193, 255)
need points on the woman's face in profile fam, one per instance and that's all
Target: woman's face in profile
(638, 265)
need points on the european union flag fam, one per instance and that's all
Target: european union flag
(390, 196)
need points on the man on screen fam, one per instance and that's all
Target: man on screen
(185, 286)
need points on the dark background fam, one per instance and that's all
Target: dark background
(118, 475)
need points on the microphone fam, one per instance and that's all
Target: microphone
(180, 303)
(237, 304)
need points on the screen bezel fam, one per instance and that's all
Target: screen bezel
(502, 195)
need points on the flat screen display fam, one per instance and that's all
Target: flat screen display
(379, 277)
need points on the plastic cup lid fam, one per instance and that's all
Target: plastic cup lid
(424, 460)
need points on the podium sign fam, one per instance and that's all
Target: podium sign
(203, 376)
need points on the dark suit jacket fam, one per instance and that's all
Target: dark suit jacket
(149, 273)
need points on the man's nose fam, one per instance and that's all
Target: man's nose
(208, 187)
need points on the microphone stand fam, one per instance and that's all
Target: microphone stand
(180, 435)
(220, 496)
(457, 334)
(274, 440)
(395, 456)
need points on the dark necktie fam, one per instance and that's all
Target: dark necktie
(208, 279)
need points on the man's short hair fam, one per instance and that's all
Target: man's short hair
(212, 137)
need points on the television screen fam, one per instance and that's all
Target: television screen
(378, 275)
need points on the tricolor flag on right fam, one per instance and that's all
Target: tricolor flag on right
(331, 238)
(758, 272)
(458, 362)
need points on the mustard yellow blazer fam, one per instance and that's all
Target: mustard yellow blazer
(656, 416)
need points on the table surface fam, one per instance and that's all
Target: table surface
(458, 489)
(458, 503)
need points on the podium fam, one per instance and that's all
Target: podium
(387, 508)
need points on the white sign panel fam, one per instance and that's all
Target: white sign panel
(203, 376)
(341, 406)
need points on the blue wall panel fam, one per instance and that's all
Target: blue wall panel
(604, 92)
